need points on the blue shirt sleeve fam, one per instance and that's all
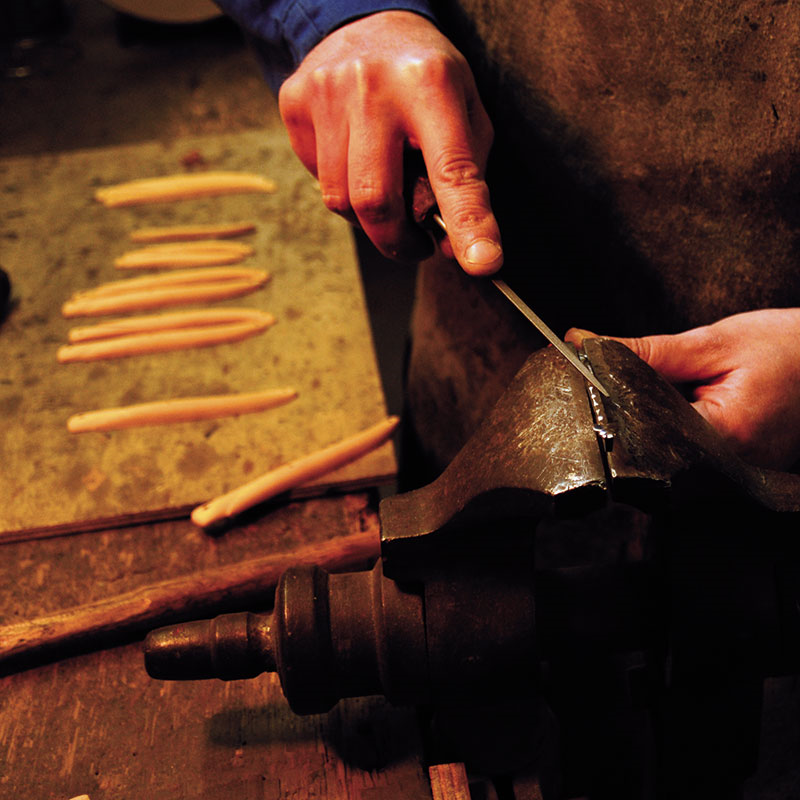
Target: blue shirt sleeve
(284, 31)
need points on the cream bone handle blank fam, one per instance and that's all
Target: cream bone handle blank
(295, 473)
(178, 278)
(138, 296)
(156, 298)
(159, 341)
(125, 326)
(188, 233)
(184, 254)
(182, 187)
(186, 409)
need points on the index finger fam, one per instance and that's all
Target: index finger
(455, 145)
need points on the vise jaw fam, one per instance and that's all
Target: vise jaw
(550, 447)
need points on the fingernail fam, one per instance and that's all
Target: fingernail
(483, 253)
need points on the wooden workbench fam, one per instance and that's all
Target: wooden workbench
(108, 513)
(96, 724)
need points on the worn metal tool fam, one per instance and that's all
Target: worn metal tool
(549, 334)
(424, 211)
(482, 601)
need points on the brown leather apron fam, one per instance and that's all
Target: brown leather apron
(644, 173)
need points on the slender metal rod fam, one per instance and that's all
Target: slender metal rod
(548, 334)
(540, 325)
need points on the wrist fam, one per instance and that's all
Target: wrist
(308, 23)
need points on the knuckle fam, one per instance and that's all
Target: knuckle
(290, 90)
(336, 201)
(290, 101)
(644, 348)
(457, 169)
(324, 86)
(468, 218)
(463, 195)
(295, 103)
(307, 87)
(368, 77)
(371, 203)
(434, 69)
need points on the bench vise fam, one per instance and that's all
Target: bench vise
(579, 556)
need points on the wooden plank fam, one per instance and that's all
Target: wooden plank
(56, 239)
(96, 724)
(449, 781)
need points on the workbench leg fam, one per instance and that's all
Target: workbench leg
(449, 782)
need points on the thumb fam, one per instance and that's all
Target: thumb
(681, 357)
(455, 152)
(471, 226)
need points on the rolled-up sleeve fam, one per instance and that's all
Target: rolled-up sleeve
(284, 31)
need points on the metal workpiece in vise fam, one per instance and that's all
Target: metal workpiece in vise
(465, 605)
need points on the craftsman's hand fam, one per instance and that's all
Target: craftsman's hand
(366, 92)
(747, 374)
